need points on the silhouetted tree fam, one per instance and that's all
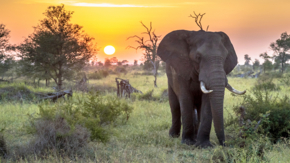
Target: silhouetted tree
(125, 62)
(135, 62)
(267, 65)
(256, 64)
(247, 59)
(281, 48)
(6, 60)
(150, 48)
(107, 62)
(57, 47)
(119, 63)
(100, 63)
(114, 60)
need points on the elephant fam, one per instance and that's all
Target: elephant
(197, 63)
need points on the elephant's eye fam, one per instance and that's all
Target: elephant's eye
(197, 57)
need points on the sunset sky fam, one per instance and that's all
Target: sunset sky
(251, 24)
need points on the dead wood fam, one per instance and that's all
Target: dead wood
(198, 20)
(124, 89)
(56, 95)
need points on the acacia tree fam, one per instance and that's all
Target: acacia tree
(150, 48)
(56, 47)
(281, 48)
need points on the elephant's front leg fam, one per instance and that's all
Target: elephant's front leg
(205, 123)
(187, 112)
(175, 112)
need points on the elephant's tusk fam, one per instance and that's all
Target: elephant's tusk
(230, 88)
(203, 89)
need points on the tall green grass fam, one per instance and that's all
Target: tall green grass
(145, 137)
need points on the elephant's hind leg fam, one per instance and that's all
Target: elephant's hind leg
(175, 112)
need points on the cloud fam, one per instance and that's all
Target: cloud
(113, 5)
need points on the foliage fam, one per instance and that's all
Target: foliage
(94, 113)
(281, 48)
(120, 69)
(261, 103)
(101, 73)
(107, 62)
(247, 59)
(264, 85)
(54, 133)
(56, 47)
(6, 61)
(285, 80)
(256, 64)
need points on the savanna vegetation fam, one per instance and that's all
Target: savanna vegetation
(94, 125)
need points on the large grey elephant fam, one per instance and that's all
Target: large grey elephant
(197, 63)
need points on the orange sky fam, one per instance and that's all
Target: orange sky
(251, 24)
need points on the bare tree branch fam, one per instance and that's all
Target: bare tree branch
(198, 17)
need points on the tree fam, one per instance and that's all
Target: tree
(135, 62)
(256, 64)
(107, 62)
(114, 60)
(57, 47)
(6, 60)
(100, 63)
(267, 65)
(119, 63)
(125, 62)
(150, 48)
(281, 49)
(247, 59)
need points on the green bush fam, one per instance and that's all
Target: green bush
(98, 74)
(258, 106)
(267, 85)
(94, 113)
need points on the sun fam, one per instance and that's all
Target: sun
(109, 50)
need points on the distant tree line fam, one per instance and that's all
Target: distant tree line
(277, 61)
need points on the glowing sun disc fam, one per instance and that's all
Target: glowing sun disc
(109, 50)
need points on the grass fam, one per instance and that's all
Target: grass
(144, 138)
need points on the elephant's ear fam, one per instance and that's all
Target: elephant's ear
(231, 60)
(174, 50)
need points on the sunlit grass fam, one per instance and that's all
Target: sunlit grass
(144, 138)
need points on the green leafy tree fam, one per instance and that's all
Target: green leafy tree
(57, 47)
(247, 59)
(267, 65)
(281, 48)
(6, 60)
(256, 64)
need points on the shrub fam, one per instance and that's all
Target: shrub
(3, 147)
(55, 134)
(120, 69)
(267, 85)
(285, 80)
(261, 103)
(98, 74)
(93, 112)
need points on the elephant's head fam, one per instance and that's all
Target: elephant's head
(204, 56)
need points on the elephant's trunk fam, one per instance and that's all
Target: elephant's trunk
(217, 84)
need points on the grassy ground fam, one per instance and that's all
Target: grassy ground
(145, 136)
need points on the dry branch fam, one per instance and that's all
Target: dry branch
(124, 89)
(198, 19)
(56, 95)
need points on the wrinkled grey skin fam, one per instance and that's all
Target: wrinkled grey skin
(192, 57)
